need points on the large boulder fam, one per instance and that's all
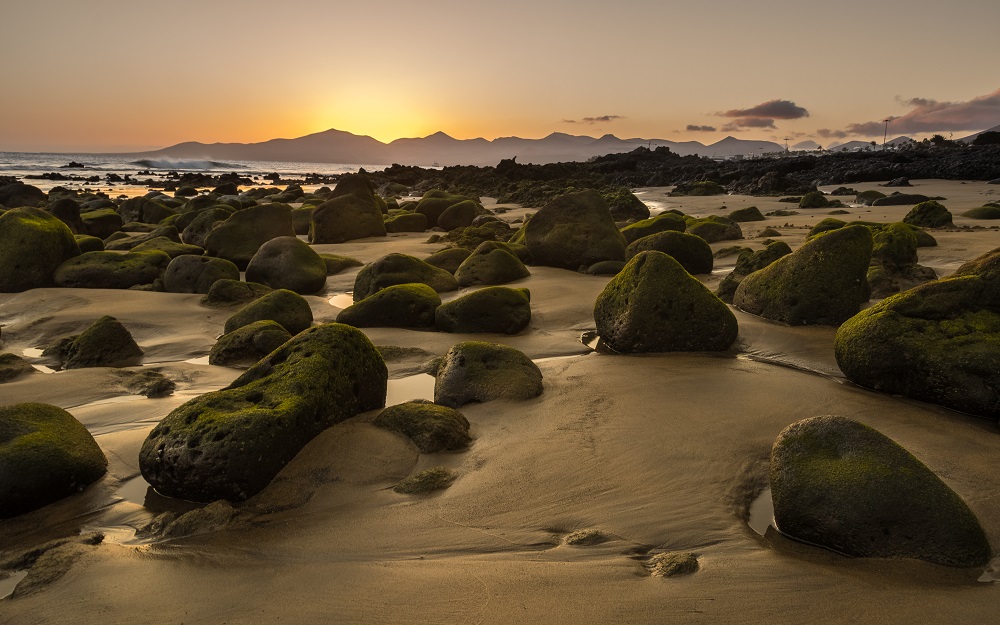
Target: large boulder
(171, 248)
(928, 214)
(842, 485)
(491, 263)
(129, 242)
(572, 231)
(196, 226)
(396, 306)
(226, 293)
(823, 282)
(336, 263)
(101, 222)
(33, 244)
(477, 371)
(197, 274)
(691, 251)
(144, 210)
(432, 428)
(352, 212)
(714, 228)
(660, 223)
(13, 366)
(238, 238)
(245, 346)
(937, 342)
(654, 305)
(45, 455)
(406, 222)
(111, 270)
(899, 199)
(894, 265)
(105, 343)
(288, 263)
(434, 203)
(67, 210)
(398, 268)
(460, 215)
(230, 444)
(18, 194)
(748, 262)
(496, 309)
(449, 259)
(288, 308)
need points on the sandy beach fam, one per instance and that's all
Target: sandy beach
(659, 452)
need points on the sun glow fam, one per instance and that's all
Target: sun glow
(377, 113)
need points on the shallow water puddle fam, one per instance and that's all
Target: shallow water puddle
(402, 390)
(593, 340)
(9, 583)
(342, 300)
(134, 490)
(34, 352)
(197, 361)
(762, 513)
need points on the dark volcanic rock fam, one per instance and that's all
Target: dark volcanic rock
(400, 269)
(572, 231)
(692, 252)
(248, 344)
(105, 343)
(491, 263)
(197, 274)
(33, 244)
(747, 263)
(432, 428)
(352, 212)
(288, 308)
(238, 238)
(396, 306)
(498, 309)
(477, 371)
(288, 263)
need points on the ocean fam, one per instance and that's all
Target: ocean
(22, 164)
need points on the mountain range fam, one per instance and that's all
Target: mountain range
(337, 146)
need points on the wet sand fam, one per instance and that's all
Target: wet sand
(659, 452)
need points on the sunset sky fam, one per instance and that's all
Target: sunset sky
(113, 75)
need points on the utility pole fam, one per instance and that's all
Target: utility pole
(886, 132)
(786, 144)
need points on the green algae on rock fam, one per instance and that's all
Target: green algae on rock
(842, 485)
(288, 308)
(398, 268)
(111, 270)
(748, 262)
(352, 211)
(239, 237)
(33, 244)
(449, 259)
(491, 263)
(572, 231)
(714, 228)
(197, 274)
(691, 251)
(937, 342)
(823, 282)
(427, 481)
(230, 444)
(288, 263)
(432, 428)
(497, 309)
(479, 371)
(231, 292)
(105, 343)
(13, 366)
(660, 223)
(397, 306)
(248, 344)
(45, 455)
(654, 305)
(929, 214)
(335, 263)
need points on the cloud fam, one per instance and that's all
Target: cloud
(749, 122)
(927, 115)
(772, 109)
(594, 120)
(827, 133)
(694, 128)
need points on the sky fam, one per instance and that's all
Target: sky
(116, 75)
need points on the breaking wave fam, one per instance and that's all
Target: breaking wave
(176, 163)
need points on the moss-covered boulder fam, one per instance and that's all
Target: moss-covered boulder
(460, 215)
(660, 223)
(823, 282)
(197, 274)
(426, 481)
(111, 270)
(826, 225)
(288, 263)
(605, 268)
(288, 308)
(196, 226)
(432, 428)
(937, 342)
(699, 188)
(238, 238)
(351, 212)
(842, 485)
(691, 251)
(18, 194)
(748, 262)
(397, 306)
(144, 210)
(230, 444)
(173, 249)
(101, 222)
(900, 199)
(301, 218)
(655, 305)
(67, 210)
(335, 263)
(750, 213)
(894, 265)
(147, 233)
(572, 231)
(449, 259)
(928, 214)
(434, 203)
(625, 205)
(989, 211)
(714, 228)
(814, 199)
(398, 268)
(497, 309)
(88, 243)
(33, 244)
(406, 222)
(45, 455)
(13, 366)
(226, 293)
(478, 371)
(105, 343)
(491, 263)
(245, 346)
